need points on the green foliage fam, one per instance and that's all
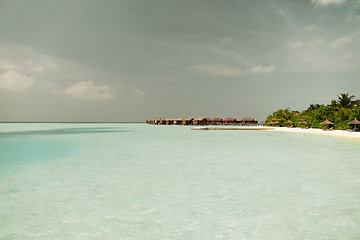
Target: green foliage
(355, 112)
(281, 115)
(345, 101)
(340, 112)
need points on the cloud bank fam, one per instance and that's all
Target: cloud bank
(88, 90)
(327, 2)
(15, 81)
(217, 70)
(262, 69)
(340, 42)
(295, 44)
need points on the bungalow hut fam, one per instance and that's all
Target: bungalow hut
(216, 121)
(169, 121)
(178, 121)
(187, 121)
(199, 121)
(157, 121)
(229, 121)
(163, 121)
(247, 120)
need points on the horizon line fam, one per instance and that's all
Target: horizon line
(65, 122)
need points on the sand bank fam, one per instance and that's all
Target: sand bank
(333, 133)
(232, 128)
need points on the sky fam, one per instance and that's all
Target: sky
(130, 60)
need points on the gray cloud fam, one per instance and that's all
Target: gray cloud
(327, 2)
(15, 81)
(174, 58)
(88, 90)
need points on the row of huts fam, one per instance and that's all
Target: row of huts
(203, 121)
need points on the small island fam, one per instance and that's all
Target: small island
(341, 114)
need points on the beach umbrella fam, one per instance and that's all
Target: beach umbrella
(289, 123)
(303, 122)
(275, 122)
(326, 122)
(355, 122)
(270, 122)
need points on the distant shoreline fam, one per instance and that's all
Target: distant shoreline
(243, 128)
(332, 133)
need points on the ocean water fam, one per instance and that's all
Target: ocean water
(137, 181)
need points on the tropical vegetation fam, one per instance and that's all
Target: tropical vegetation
(340, 111)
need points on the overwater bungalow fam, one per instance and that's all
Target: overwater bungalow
(247, 120)
(199, 121)
(178, 121)
(169, 121)
(229, 121)
(216, 121)
(187, 121)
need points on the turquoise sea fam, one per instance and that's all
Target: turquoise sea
(137, 181)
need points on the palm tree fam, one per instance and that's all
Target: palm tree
(345, 101)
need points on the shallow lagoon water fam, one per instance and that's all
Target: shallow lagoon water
(137, 181)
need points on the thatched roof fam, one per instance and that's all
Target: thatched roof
(355, 121)
(247, 119)
(326, 122)
(229, 119)
(288, 121)
(275, 122)
(199, 119)
(216, 119)
(303, 122)
(179, 119)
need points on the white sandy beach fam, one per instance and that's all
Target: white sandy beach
(334, 133)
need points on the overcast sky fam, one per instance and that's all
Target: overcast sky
(129, 60)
